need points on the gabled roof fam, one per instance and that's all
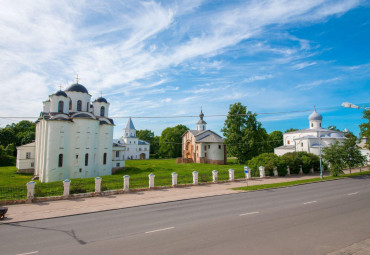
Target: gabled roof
(202, 136)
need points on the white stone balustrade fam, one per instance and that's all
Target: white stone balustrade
(262, 171)
(214, 176)
(174, 179)
(151, 180)
(195, 177)
(231, 175)
(97, 184)
(66, 185)
(126, 183)
(30, 190)
(247, 175)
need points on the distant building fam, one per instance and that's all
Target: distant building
(310, 139)
(364, 150)
(135, 148)
(202, 146)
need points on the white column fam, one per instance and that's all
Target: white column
(30, 190)
(262, 171)
(126, 183)
(276, 172)
(174, 179)
(247, 175)
(195, 177)
(231, 175)
(214, 176)
(300, 170)
(66, 184)
(151, 180)
(97, 184)
(288, 171)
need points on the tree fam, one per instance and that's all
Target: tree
(268, 160)
(148, 135)
(335, 156)
(290, 130)
(352, 153)
(244, 136)
(365, 127)
(334, 128)
(275, 139)
(170, 141)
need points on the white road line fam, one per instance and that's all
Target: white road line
(159, 230)
(248, 213)
(32, 252)
(354, 193)
(311, 202)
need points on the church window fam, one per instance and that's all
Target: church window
(105, 158)
(32, 164)
(320, 124)
(117, 154)
(70, 104)
(60, 160)
(79, 105)
(28, 155)
(60, 106)
(301, 144)
(86, 159)
(205, 147)
(219, 147)
(102, 111)
(209, 146)
(117, 164)
(288, 142)
(139, 149)
(87, 106)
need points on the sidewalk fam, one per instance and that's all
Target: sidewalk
(52, 209)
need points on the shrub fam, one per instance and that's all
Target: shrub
(268, 160)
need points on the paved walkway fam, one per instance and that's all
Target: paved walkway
(51, 209)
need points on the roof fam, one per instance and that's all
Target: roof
(130, 125)
(61, 93)
(101, 100)
(201, 122)
(77, 88)
(315, 116)
(211, 138)
(206, 136)
(309, 130)
(33, 144)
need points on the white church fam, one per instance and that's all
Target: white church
(310, 139)
(135, 148)
(73, 138)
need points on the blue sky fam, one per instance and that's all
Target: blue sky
(169, 58)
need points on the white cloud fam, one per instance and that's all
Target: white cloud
(258, 78)
(310, 85)
(302, 65)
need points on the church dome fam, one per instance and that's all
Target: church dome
(101, 100)
(77, 88)
(315, 116)
(61, 93)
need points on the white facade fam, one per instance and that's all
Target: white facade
(135, 148)
(73, 137)
(310, 140)
(26, 158)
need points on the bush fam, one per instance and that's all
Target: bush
(268, 160)
(7, 160)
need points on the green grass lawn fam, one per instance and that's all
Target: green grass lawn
(285, 184)
(13, 185)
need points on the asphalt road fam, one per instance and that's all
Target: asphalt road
(308, 219)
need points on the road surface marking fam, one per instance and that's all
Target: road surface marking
(159, 230)
(32, 252)
(248, 213)
(311, 202)
(354, 193)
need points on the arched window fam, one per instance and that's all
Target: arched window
(70, 104)
(79, 105)
(87, 106)
(86, 159)
(105, 158)
(102, 111)
(60, 160)
(60, 106)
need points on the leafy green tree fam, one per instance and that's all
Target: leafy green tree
(335, 156)
(275, 139)
(291, 130)
(334, 128)
(352, 154)
(244, 136)
(7, 136)
(148, 135)
(170, 141)
(365, 127)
